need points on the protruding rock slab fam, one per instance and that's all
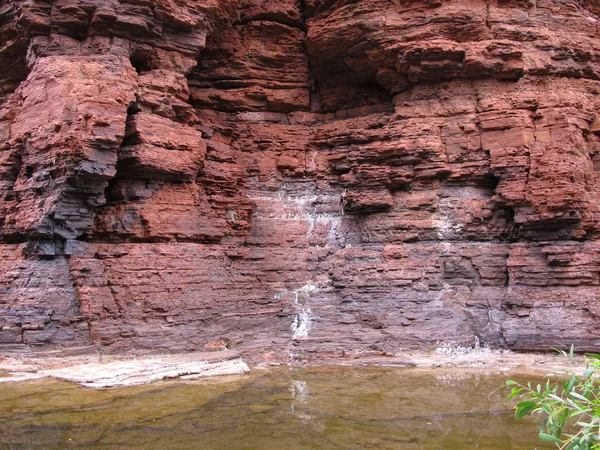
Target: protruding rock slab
(143, 371)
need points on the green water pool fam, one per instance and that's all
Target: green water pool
(281, 408)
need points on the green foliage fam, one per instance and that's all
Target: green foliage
(569, 408)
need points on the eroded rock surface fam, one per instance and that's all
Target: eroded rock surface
(299, 179)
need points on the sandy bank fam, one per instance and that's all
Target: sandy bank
(119, 371)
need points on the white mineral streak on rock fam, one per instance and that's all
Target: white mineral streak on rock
(303, 320)
(302, 324)
(322, 230)
(447, 226)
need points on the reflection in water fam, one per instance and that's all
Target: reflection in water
(299, 390)
(312, 408)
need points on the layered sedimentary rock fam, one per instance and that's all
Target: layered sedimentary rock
(299, 179)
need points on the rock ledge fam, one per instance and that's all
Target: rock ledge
(142, 371)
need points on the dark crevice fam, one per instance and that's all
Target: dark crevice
(406, 187)
(315, 96)
(513, 230)
(28, 172)
(108, 191)
(133, 109)
(111, 188)
(128, 139)
(344, 94)
(13, 66)
(490, 181)
(131, 139)
(141, 61)
(13, 238)
(10, 200)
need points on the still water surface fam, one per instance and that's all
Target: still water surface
(284, 408)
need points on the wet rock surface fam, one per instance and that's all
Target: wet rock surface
(298, 180)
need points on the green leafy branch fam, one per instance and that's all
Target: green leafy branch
(571, 404)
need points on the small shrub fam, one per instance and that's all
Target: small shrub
(569, 408)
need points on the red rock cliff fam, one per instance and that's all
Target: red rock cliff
(312, 177)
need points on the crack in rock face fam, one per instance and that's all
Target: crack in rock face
(315, 179)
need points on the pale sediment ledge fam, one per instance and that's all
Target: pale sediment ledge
(131, 372)
(122, 371)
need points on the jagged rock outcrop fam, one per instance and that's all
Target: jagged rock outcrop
(293, 178)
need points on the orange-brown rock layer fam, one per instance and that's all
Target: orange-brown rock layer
(299, 178)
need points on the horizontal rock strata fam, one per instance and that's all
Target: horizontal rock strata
(299, 179)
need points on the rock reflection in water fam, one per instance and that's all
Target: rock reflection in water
(313, 408)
